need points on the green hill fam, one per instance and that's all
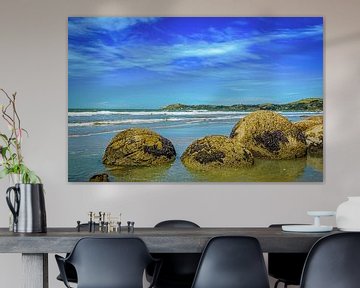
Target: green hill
(308, 104)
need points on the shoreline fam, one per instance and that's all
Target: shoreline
(85, 150)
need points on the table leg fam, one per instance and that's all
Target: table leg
(35, 270)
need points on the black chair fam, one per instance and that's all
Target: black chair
(232, 262)
(333, 262)
(69, 269)
(176, 224)
(70, 273)
(286, 267)
(178, 269)
(108, 263)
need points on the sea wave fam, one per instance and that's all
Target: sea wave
(149, 113)
(299, 113)
(174, 125)
(178, 113)
(150, 121)
(91, 113)
(94, 134)
(119, 122)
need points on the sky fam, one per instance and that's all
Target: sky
(151, 62)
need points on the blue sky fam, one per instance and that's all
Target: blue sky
(128, 62)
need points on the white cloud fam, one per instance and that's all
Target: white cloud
(188, 55)
(85, 25)
(315, 30)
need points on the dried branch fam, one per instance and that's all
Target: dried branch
(12, 159)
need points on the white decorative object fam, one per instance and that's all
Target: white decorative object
(306, 228)
(316, 227)
(348, 214)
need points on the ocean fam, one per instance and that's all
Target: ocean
(90, 130)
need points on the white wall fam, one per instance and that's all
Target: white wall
(33, 62)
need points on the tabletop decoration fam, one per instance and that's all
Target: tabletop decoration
(315, 227)
(348, 214)
(12, 161)
(25, 197)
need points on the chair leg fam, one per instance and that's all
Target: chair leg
(278, 282)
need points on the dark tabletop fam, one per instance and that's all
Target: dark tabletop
(158, 240)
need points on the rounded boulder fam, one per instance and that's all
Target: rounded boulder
(309, 122)
(269, 135)
(138, 147)
(314, 140)
(216, 152)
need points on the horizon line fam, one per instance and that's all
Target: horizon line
(225, 105)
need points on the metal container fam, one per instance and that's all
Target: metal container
(28, 207)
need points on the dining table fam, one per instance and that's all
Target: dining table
(35, 247)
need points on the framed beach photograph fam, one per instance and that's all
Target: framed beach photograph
(195, 99)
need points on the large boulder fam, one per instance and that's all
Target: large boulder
(309, 122)
(314, 140)
(215, 152)
(269, 135)
(138, 147)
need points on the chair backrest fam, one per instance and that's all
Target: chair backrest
(286, 266)
(176, 224)
(110, 262)
(177, 268)
(333, 262)
(232, 262)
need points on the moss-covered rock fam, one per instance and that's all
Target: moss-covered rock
(99, 178)
(314, 140)
(215, 152)
(269, 135)
(309, 122)
(138, 147)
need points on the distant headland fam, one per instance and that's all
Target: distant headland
(308, 104)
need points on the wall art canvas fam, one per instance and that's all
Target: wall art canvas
(195, 99)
